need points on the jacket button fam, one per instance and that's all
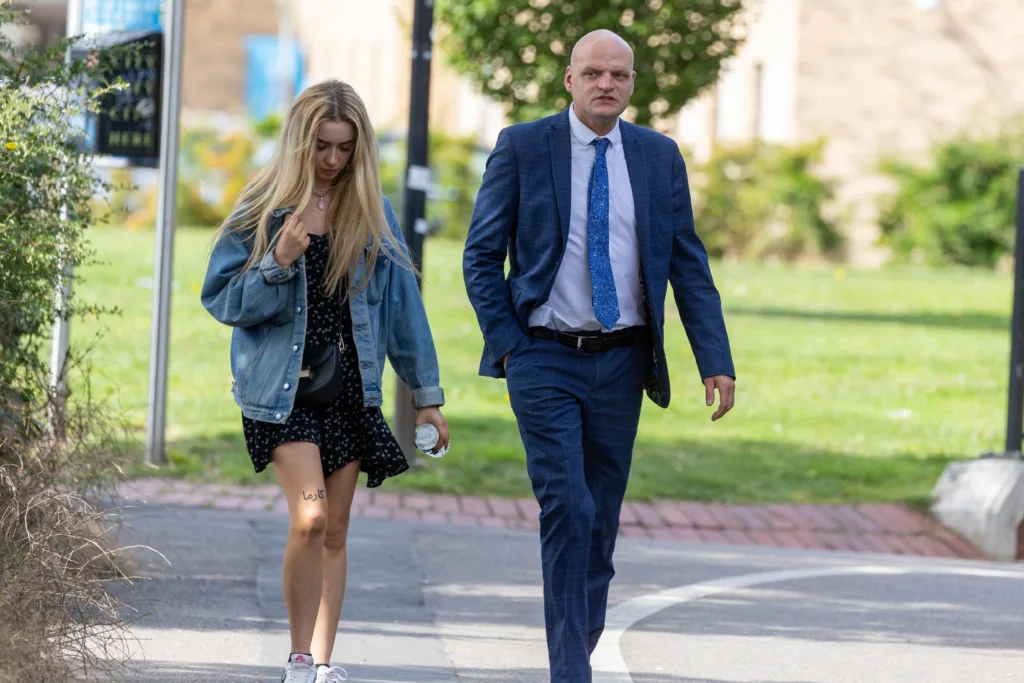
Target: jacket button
(287, 386)
(278, 416)
(298, 309)
(295, 348)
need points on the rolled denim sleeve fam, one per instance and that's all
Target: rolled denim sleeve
(410, 344)
(272, 271)
(244, 299)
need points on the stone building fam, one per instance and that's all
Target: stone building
(874, 77)
(227, 43)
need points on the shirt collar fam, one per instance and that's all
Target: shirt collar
(585, 136)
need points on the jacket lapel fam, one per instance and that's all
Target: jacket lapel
(561, 169)
(638, 182)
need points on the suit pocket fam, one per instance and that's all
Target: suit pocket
(515, 294)
(516, 356)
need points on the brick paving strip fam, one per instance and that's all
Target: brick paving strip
(878, 528)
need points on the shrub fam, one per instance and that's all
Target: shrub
(456, 166)
(58, 618)
(760, 200)
(958, 208)
(213, 168)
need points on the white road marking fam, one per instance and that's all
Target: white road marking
(610, 667)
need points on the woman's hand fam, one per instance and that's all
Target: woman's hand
(432, 415)
(292, 243)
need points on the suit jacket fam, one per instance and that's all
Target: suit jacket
(523, 211)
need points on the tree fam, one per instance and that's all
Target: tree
(517, 50)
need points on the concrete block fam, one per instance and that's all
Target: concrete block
(983, 500)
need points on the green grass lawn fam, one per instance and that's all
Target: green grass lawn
(853, 385)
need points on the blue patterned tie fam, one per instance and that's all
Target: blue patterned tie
(606, 301)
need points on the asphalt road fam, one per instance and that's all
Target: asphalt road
(434, 603)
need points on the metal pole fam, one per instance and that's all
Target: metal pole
(174, 26)
(60, 338)
(1015, 404)
(74, 18)
(417, 182)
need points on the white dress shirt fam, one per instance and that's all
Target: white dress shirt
(570, 306)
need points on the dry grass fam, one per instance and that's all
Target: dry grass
(60, 569)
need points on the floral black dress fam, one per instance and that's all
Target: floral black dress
(344, 429)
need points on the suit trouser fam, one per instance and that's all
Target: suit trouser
(578, 414)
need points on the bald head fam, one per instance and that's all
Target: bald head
(600, 77)
(602, 40)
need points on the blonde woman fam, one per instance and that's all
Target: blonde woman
(312, 273)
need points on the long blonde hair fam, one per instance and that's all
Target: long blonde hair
(355, 217)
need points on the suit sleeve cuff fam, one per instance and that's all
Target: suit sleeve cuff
(716, 370)
(272, 271)
(427, 397)
(507, 343)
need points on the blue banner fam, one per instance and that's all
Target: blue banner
(263, 95)
(100, 16)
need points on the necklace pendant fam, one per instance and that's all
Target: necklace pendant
(320, 204)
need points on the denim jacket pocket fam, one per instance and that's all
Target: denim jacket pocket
(378, 283)
(252, 361)
(284, 318)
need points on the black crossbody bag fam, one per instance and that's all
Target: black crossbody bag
(321, 377)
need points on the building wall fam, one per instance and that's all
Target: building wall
(214, 60)
(364, 42)
(368, 44)
(891, 76)
(874, 77)
(357, 42)
(47, 23)
(756, 94)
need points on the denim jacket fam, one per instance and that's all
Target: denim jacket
(267, 309)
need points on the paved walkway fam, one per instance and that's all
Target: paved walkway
(878, 528)
(450, 603)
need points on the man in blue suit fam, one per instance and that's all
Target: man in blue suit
(594, 216)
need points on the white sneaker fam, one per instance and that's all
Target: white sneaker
(300, 669)
(334, 674)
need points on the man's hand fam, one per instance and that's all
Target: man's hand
(726, 394)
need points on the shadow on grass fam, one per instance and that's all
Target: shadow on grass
(970, 321)
(487, 459)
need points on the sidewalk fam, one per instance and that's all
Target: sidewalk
(451, 603)
(875, 528)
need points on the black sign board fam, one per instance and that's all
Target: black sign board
(128, 124)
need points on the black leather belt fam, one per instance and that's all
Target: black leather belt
(591, 342)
